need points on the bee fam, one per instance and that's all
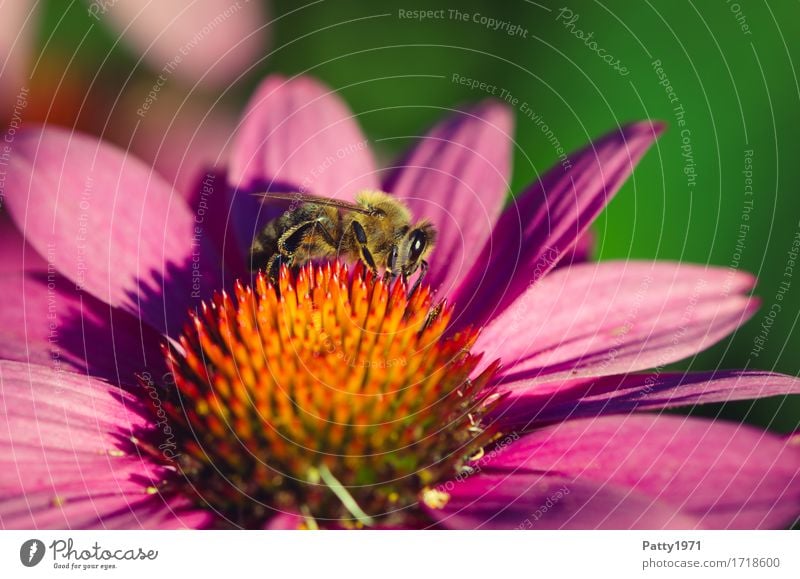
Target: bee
(377, 230)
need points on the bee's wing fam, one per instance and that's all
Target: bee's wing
(305, 198)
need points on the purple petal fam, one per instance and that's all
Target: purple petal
(457, 178)
(636, 392)
(208, 199)
(600, 319)
(210, 42)
(296, 135)
(581, 252)
(543, 501)
(62, 462)
(46, 321)
(110, 225)
(724, 475)
(545, 221)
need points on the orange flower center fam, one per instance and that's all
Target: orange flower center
(334, 396)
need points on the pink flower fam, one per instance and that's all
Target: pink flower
(557, 437)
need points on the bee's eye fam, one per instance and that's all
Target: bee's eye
(417, 245)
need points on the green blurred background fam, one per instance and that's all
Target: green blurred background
(730, 65)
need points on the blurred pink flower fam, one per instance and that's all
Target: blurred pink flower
(180, 134)
(204, 42)
(17, 40)
(126, 257)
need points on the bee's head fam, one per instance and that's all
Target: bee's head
(412, 249)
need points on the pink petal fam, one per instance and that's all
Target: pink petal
(97, 504)
(724, 475)
(457, 178)
(45, 321)
(539, 501)
(63, 410)
(296, 135)
(15, 253)
(110, 225)
(212, 42)
(600, 319)
(544, 222)
(64, 461)
(548, 403)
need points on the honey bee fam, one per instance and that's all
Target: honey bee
(376, 230)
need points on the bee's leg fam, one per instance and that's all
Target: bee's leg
(274, 267)
(435, 312)
(301, 233)
(423, 269)
(293, 239)
(288, 244)
(390, 275)
(361, 238)
(326, 235)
